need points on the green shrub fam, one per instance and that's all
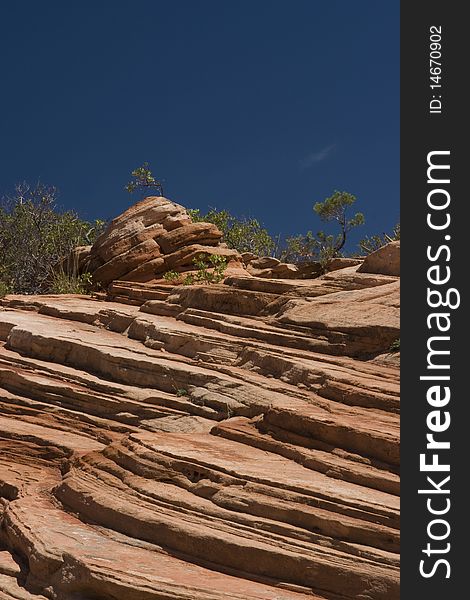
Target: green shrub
(35, 236)
(172, 276)
(4, 289)
(210, 269)
(374, 242)
(144, 180)
(300, 248)
(70, 283)
(321, 247)
(310, 247)
(242, 234)
(395, 346)
(203, 264)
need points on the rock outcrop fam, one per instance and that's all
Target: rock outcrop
(219, 442)
(385, 260)
(152, 237)
(272, 268)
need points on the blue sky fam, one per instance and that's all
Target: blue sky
(262, 107)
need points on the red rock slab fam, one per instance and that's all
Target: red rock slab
(195, 337)
(11, 428)
(370, 315)
(215, 351)
(385, 260)
(331, 463)
(202, 233)
(25, 466)
(10, 589)
(8, 566)
(319, 340)
(63, 420)
(127, 361)
(78, 389)
(67, 557)
(72, 398)
(373, 434)
(131, 492)
(117, 317)
(72, 307)
(352, 278)
(341, 379)
(70, 557)
(302, 493)
(178, 520)
(116, 358)
(336, 281)
(141, 221)
(222, 299)
(258, 466)
(128, 261)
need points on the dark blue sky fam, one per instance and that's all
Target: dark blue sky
(259, 106)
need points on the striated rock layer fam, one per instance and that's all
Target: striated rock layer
(225, 442)
(151, 238)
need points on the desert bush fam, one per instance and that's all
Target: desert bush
(209, 269)
(374, 242)
(309, 248)
(172, 276)
(35, 236)
(62, 282)
(143, 180)
(321, 247)
(4, 289)
(217, 263)
(300, 248)
(242, 234)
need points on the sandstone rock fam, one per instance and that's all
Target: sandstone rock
(127, 239)
(201, 233)
(273, 268)
(146, 271)
(371, 317)
(285, 271)
(182, 259)
(152, 237)
(222, 299)
(341, 263)
(385, 260)
(136, 256)
(218, 442)
(276, 271)
(265, 262)
(77, 260)
(248, 257)
(309, 270)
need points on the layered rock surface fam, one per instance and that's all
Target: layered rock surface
(385, 260)
(224, 442)
(151, 238)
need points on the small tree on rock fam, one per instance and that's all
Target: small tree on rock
(335, 208)
(144, 180)
(321, 246)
